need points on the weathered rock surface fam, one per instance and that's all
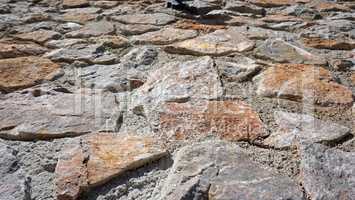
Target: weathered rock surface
(157, 19)
(180, 81)
(75, 3)
(217, 170)
(39, 36)
(23, 72)
(82, 52)
(102, 157)
(12, 49)
(279, 50)
(164, 36)
(239, 68)
(93, 29)
(13, 185)
(229, 120)
(294, 128)
(218, 43)
(327, 173)
(48, 114)
(303, 83)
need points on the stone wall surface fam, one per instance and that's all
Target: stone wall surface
(213, 100)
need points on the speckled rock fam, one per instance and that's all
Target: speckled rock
(164, 36)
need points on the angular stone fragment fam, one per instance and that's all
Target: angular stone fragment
(333, 44)
(279, 50)
(244, 7)
(298, 127)
(63, 43)
(218, 43)
(158, 19)
(93, 29)
(75, 3)
(189, 24)
(180, 81)
(327, 173)
(105, 4)
(48, 114)
(164, 36)
(100, 158)
(11, 49)
(135, 29)
(238, 69)
(114, 78)
(305, 83)
(71, 174)
(229, 120)
(82, 52)
(39, 36)
(112, 155)
(23, 72)
(219, 171)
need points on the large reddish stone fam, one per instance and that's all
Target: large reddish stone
(333, 44)
(306, 83)
(18, 73)
(230, 120)
(11, 49)
(99, 158)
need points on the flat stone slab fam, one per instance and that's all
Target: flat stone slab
(48, 114)
(332, 44)
(217, 43)
(327, 173)
(114, 78)
(12, 49)
(281, 51)
(294, 128)
(23, 72)
(218, 171)
(237, 69)
(228, 120)
(303, 83)
(93, 29)
(164, 36)
(102, 157)
(75, 3)
(158, 19)
(89, 53)
(39, 36)
(179, 81)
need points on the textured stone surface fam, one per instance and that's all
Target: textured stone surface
(229, 120)
(305, 83)
(11, 49)
(100, 158)
(75, 3)
(164, 36)
(279, 50)
(327, 173)
(48, 114)
(93, 29)
(341, 44)
(217, 170)
(23, 72)
(39, 36)
(158, 19)
(218, 43)
(180, 81)
(294, 128)
(80, 52)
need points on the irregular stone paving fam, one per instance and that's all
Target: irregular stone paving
(128, 99)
